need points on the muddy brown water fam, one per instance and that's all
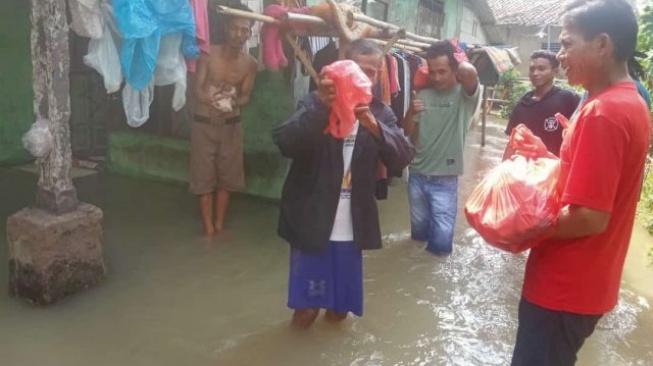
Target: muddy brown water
(172, 298)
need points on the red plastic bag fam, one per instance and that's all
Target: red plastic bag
(421, 80)
(353, 88)
(516, 205)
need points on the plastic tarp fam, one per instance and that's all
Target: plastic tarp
(86, 18)
(103, 54)
(143, 23)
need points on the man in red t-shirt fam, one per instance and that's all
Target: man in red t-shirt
(573, 278)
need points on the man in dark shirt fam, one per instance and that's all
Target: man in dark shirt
(538, 107)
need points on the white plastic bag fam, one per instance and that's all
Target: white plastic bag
(171, 68)
(103, 52)
(137, 104)
(87, 18)
(38, 140)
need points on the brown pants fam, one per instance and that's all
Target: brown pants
(216, 159)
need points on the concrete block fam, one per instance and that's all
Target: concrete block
(52, 256)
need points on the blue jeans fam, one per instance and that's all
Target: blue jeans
(433, 209)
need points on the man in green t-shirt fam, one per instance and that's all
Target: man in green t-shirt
(437, 123)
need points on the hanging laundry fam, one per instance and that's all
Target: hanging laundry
(136, 104)
(273, 56)
(143, 23)
(86, 18)
(386, 96)
(171, 69)
(202, 32)
(103, 54)
(392, 75)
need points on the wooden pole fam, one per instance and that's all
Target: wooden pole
(247, 15)
(303, 58)
(383, 25)
(398, 34)
(51, 72)
(408, 42)
(484, 116)
(397, 45)
(305, 19)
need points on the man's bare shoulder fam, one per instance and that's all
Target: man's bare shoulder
(250, 61)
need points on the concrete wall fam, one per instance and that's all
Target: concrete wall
(404, 14)
(526, 40)
(16, 113)
(471, 30)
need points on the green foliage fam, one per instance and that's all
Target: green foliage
(511, 89)
(562, 83)
(645, 44)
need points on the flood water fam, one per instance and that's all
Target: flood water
(172, 298)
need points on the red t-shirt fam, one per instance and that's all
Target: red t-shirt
(602, 163)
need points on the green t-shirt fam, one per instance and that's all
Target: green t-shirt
(442, 128)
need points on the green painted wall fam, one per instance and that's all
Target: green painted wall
(404, 14)
(16, 114)
(167, 159)
(453, 18)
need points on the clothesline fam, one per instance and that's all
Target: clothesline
(415, 43)
(392, 36)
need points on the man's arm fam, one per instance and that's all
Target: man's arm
(468, 77)
(512, 123)
(298, 135)
(409, 123)
(248, 85)
(593, 179)
(578, 221)
(394, 150)
(202, 83)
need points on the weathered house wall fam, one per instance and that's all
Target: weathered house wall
(16, 114)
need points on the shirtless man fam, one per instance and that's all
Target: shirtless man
(225, 80)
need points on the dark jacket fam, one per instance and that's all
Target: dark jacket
(539, 115)
(312, 189)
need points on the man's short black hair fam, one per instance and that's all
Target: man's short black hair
(616, 18)
(363, 47)
(547, 55)
(635, 69)
(443, 48)
(218, 21)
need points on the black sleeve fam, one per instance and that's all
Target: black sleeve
(298, 135)
(512, 122)
(572, 101)
(395, 150)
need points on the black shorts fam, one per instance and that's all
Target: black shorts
(550, 338)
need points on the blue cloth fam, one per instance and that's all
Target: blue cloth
(142, 24)
(433, 209)
(644, 93)
(332, 280)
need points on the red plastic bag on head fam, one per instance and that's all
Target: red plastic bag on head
(353, 88)
(421, 80)
(516, 205)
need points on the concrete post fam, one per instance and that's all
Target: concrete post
(51, 69)
(55, 248)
